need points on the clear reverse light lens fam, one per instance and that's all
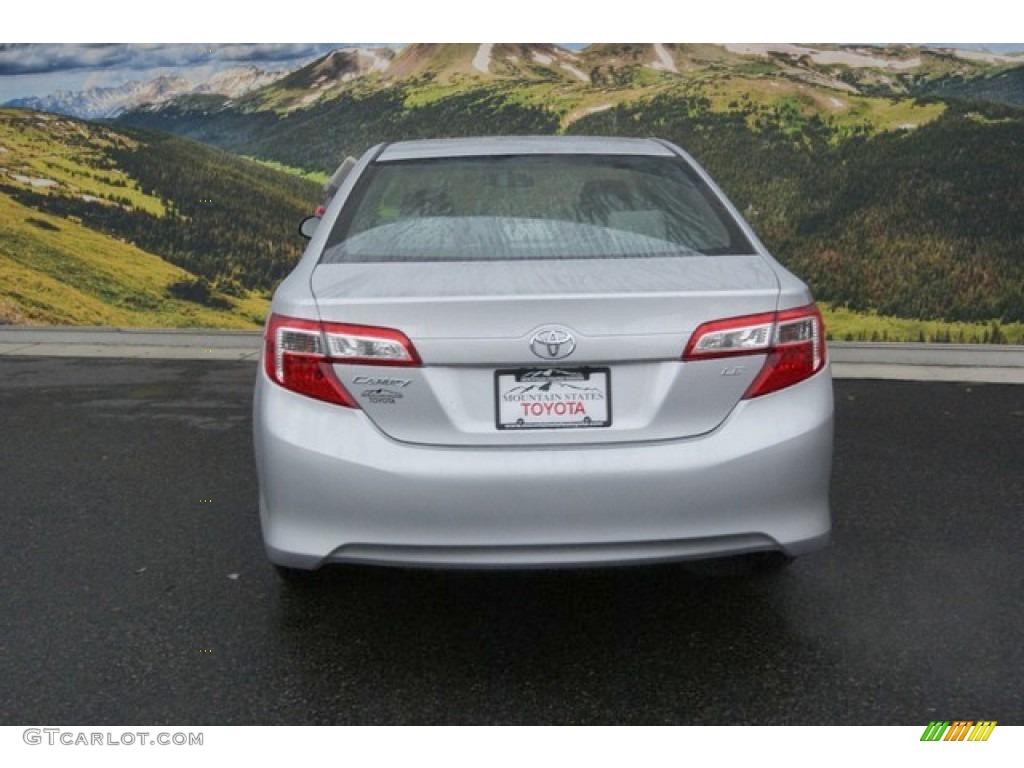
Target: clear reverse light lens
(296, 342)
(345, 347)
(735, 339)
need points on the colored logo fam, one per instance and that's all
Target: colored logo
(958, 730)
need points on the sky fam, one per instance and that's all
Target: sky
(40, 69)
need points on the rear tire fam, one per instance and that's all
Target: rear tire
(769, 562)
(749, 566)
(296, 576)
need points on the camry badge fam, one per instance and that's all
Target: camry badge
(552, 343)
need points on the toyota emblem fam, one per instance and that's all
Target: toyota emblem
(552, 343)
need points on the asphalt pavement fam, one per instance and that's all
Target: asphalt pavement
(135, 590)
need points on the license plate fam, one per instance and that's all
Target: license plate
(553, 398)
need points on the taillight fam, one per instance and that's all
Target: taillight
(793, 340)
(299, 354)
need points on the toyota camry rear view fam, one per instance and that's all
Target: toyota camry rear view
(535, 352)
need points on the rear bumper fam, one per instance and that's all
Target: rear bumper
(334, 489)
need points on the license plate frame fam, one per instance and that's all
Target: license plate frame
(587, 388)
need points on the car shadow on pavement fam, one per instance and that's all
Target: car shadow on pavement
(543, 646)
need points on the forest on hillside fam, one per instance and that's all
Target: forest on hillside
(320, 137)
(230, 221)
(925, 222)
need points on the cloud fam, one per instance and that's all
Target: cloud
(23, 58)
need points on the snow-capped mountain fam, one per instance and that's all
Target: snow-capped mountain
(238, 81)
(105, 102)
(446, 61)
(324, 77)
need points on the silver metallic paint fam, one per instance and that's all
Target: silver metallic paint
(685, 471)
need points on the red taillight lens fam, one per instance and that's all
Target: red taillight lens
(794, 340)
(299, 354)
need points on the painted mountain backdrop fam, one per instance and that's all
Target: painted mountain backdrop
(891, 178)
(103, 102)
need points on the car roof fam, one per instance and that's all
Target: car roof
(522, 145)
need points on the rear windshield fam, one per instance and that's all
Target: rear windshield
(531, 207)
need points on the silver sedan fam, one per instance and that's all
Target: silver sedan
(538, 352)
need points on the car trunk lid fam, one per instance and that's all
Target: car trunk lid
(475, 324)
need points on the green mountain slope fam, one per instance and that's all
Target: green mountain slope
(114, 226)
(1005, 86)
(884, 197)
(923, 223)
(55, 270)
(890, 179)
(318, 138)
